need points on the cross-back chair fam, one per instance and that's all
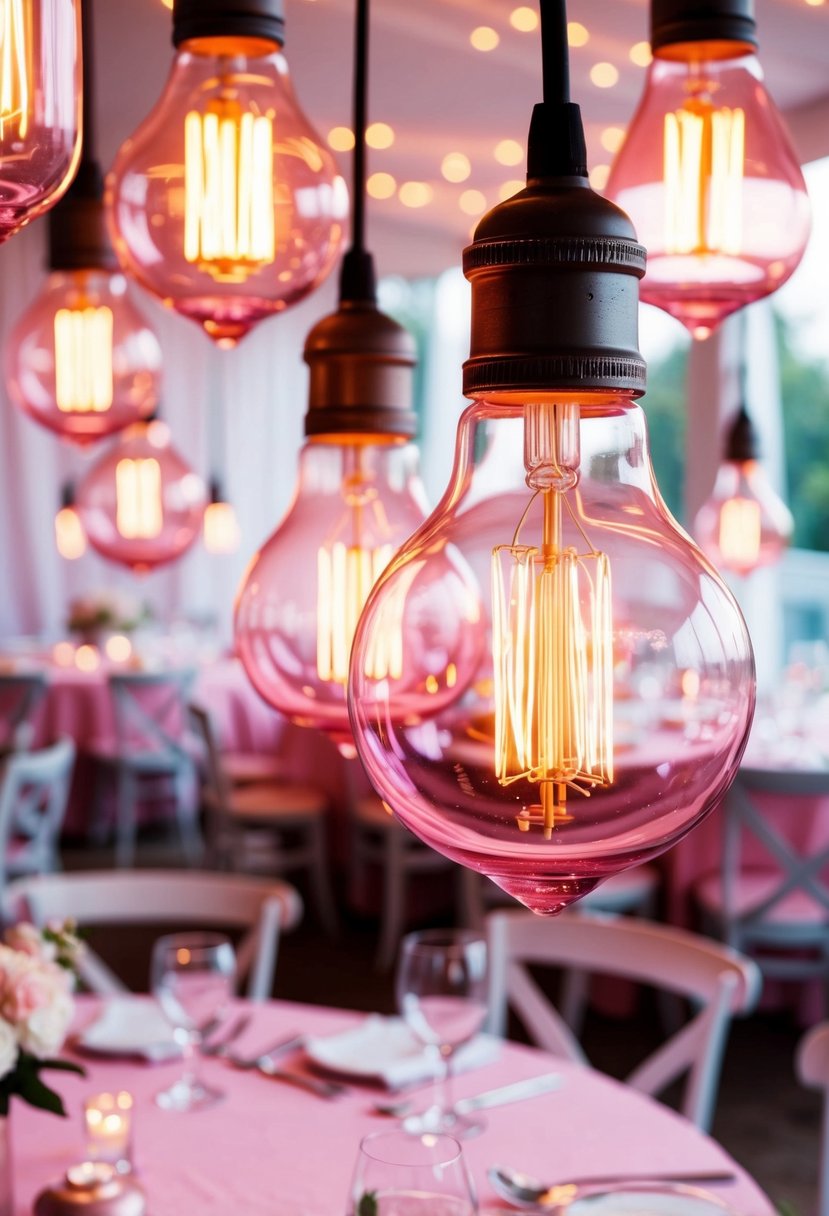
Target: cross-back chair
(273, 826)
(150, 752)
(770, 897)
(717, 981)
(20, 696)
(34, 791)
(262, 907)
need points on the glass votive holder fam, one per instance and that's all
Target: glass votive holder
(108, 1127)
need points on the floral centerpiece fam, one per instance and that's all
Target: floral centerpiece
(37, 972)
(105, 611)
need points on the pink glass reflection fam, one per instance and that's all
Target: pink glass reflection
(660, 677)
(82, 360)
(298, 605)
(40, 132)
(141, 504)
(226, 259)
(744, 524)
(709, 177)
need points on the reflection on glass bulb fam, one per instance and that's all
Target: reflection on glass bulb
(567, 749)
(225, 202)
(356, 500)
(82, 360)
(709, 177)
(40, 86)
(141, 505)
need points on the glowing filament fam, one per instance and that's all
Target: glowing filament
(221, 531)
(704, 155)
(70, 537)
(553, 670)
(345, 576)
(740, 533)
(139, 510)
(228, 192)
(83, 360)
(15, 72)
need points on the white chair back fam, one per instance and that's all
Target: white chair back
(718, 982)
(151, 713)
(262, 906)
(34, 792)
(812, 1062)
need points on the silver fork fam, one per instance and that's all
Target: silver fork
(322, 1089)
(222, 1045)
(279, 1048)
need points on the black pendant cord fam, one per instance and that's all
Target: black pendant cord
(357, 280)
(555, 147)
(88, 148)
(555, 58)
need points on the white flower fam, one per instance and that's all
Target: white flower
(8, 1048)
(44, 1031)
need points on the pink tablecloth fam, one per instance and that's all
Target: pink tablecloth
(272, 1150)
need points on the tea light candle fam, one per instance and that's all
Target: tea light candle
(92, 1188)
(108, 1121)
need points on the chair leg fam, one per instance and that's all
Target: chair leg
(99, 828)
(187, 810)
(320, 878)
(125, 818)
(394, 880)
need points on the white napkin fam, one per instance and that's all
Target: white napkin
(131, 1026)
(385, 1050)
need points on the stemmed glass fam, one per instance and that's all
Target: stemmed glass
(402, 1175)
(442, 994)
(192, 978)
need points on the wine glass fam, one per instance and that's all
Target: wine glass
(402, 1175)
(442, 994)
(192, 978)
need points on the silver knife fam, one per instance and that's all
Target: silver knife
(531, 1087)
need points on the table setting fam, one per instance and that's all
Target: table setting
(295, 1109)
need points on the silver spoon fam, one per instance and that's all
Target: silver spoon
(527, 1192)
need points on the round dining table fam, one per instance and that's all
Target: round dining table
(271, 1149)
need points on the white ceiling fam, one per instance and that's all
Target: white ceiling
(438, 93)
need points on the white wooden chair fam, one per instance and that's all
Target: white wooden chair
(377, 838)
(631, 892)
(34, 792)
(812, 1063)
(270, 826)
(775, 910)
(150, 751)
(715, 979)
(263, 907)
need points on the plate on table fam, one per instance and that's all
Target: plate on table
(641, 1199)
(386, 1052)
(129, 1026)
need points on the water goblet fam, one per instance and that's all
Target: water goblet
(401, 1175)
(192, 978)
(442, 994)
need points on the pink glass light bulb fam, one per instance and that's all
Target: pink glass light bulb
(709, 177)
(225, 203)
(141, 504)
(609, 708)
(744, 524)
(298, 605)
(40, 100)
(82, 360)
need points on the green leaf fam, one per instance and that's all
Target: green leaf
(368, 1204)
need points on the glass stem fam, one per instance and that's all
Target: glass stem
(445, 1089)
(190, 1071)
